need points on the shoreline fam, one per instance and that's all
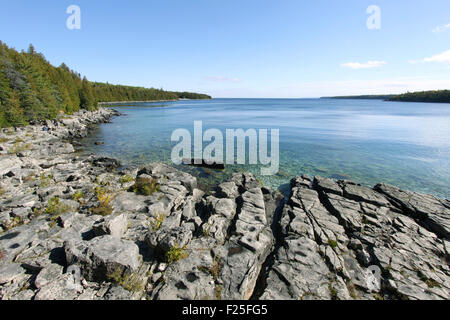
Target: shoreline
(148, 101)
(138, 233)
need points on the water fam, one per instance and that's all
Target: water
(367, 141)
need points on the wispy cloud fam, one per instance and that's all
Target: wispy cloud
(443, 57)
(441, 28)
(222, 79)
(358, 65)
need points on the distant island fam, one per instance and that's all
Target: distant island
(32, 89)
(437, 96)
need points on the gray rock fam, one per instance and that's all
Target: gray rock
(47, 275)
(115, 226)
(166, 238)
(103, 256)
(9, 272)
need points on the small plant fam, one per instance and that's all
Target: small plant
(145, 186)
(3, 140)
(206, 230)
(30, 177)
(126, 179)
(214, 270)
(260, 182)
(429, 282)
(130, 282)
(104, 198)
(2, 191)
(45, 180)
(18, 140)
(351, 289)
(378, 296)
(102, 210)
(332, 243)
(37, 212)
(218, 292)
(13, 223)
(176, 254)
(159, 219)
(19, 147)
(333, 292)
(432, 283)
(78, 195)
(55, 207)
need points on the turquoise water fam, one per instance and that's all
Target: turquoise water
(367, 141)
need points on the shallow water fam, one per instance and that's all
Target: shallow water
(367, 141)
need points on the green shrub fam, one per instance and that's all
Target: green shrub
(78, 195)
(214, 270)
(55, 207)
(102, 210)
(45, 180)
(176, 254)
(145, 186)
(3, 140)
(126, 179)
(332, 243)
(104, 199)
(333, 292)
(159, 219)
(19, 147)
(130, 282)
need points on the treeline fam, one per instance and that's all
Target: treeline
(104, 92)
(32, 89)
(423, 96)
(442, 96)
(363, 97)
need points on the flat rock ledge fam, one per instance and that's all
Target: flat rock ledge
(82, 228)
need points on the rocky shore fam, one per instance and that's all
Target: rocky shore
(82, 228)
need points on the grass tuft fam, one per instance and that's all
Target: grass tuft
(176, 254)
(130, 282)
(78, 195)
(19, 147)
(126, 179)
(145, 186)
(45, 180)
(56, 207)
(159, 219)
(104, 198)
(332, 243)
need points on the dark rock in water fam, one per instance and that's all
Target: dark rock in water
(204, 164)
(282, 174)
(105, 162)
(99, 143)
(337, 176)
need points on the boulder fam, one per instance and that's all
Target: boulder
(103, 256)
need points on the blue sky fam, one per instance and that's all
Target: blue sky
(245, 48)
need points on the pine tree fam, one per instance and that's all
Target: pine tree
(13, 111)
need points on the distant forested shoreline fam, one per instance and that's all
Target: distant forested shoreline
(437, 96)
(33, 89)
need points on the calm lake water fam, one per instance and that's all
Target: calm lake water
(367, 141)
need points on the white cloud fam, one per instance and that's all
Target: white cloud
(443, 57)
(368, 65)
(441, 28)
(222, 79)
